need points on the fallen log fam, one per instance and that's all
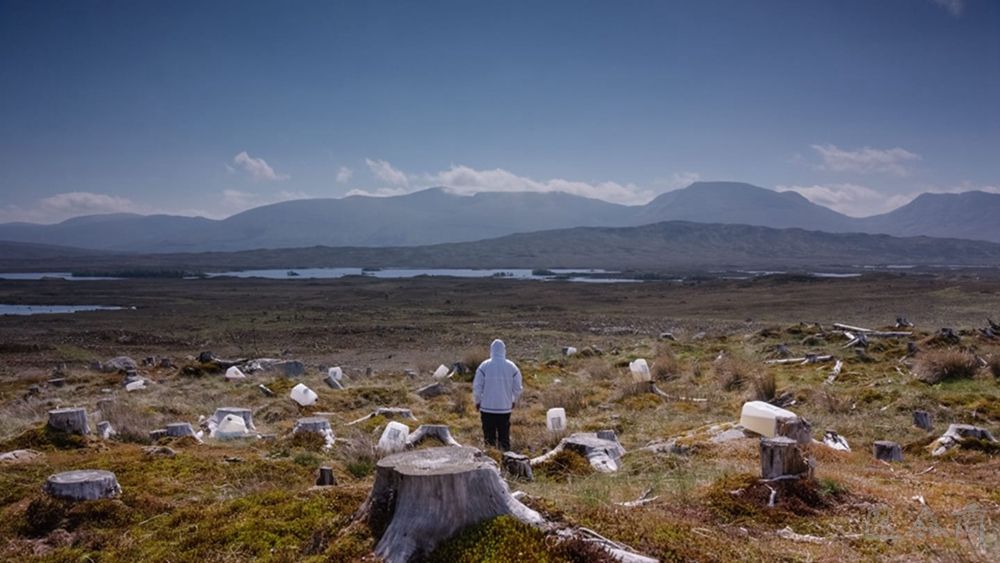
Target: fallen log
(603, 455)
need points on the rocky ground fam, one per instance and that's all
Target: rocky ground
(232, 501)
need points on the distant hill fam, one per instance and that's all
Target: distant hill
(969, 215)
(436, 216)
(667, 246)
(31, 251)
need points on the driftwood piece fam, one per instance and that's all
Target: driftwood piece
(422, 497)
(517, 466)
(650, 387)
(958, 434)
(782, 457)
(438, 431)
(388, 412)
(807, 359)
(603, 455)
(83, 485)
(871, 332)
(885, 450)
(922, 420)
(326, 478)
(71, 421)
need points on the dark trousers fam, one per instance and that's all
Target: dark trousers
(496, 429)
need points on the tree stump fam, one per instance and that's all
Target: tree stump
(316, 424)
(178, 429)
(432, 390)
(332, 382)
(155, 435)
(517, 466)
(922, 420)
(796, 428)
(326, 478)
(887, 451)
(607, 435)
(422, 497)
(782, 457)
(438, 431)
(245, 414)
(72, 421)
(83, 485)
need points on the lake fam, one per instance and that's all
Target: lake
(51, 309)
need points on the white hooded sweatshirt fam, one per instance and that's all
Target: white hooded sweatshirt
(497, 384)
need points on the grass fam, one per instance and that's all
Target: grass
(936, 366)
(255, 500)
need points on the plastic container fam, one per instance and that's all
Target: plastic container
(303, 395)
(640, 370)
(235, 373)
(569, 351)
(762, 418)
(231, 427)
(136, 385)
(441, 372)
(555, 419)
(335, 373)
(393, 437)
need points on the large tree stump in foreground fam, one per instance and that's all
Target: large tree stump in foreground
(72, 421)
(782, 457)
(422, 497)
(83, 485)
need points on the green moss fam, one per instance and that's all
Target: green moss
(43, 515)
(499, 540)
(45, 438)
(563, 466)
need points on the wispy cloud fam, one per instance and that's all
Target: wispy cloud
(465, 180)
(866, 160)
(384, 171)
(954, 7)
(850, 199)
(344, 175)
(861, 201)
(59, 207)
(257, 168)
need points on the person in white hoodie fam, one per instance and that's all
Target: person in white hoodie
(495, 389)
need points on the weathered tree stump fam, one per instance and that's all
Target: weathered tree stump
(155, 435)
(432, 390)
(607, 435)
(178, 429)
(959, 434)
(796, 428)
(72, 421)
(782, 457)
(603, 455)
(326, 478)
(922, 420)
(438, 431)
(332, 382)
(83, 485)
(245, 414)
(317, 424)
(887, 451)
(422, 497)
(517, 466)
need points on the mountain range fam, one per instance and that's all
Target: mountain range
(435, 216)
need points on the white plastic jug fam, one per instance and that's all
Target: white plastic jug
(393, 437)
(441, 372)
(231, 427)
(569, 351)
(235, 373)
(136, 385)
(640, 370)
(555, 419)
(762, 418)
(335, 373)
(303, 395)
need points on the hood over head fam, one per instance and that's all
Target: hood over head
(498, 350)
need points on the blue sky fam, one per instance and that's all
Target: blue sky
(209, 108)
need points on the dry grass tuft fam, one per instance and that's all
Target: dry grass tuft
(598, 370)
(765, 387)
(733, 372)
(993, 364)
(936, 366)
(666, 366)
